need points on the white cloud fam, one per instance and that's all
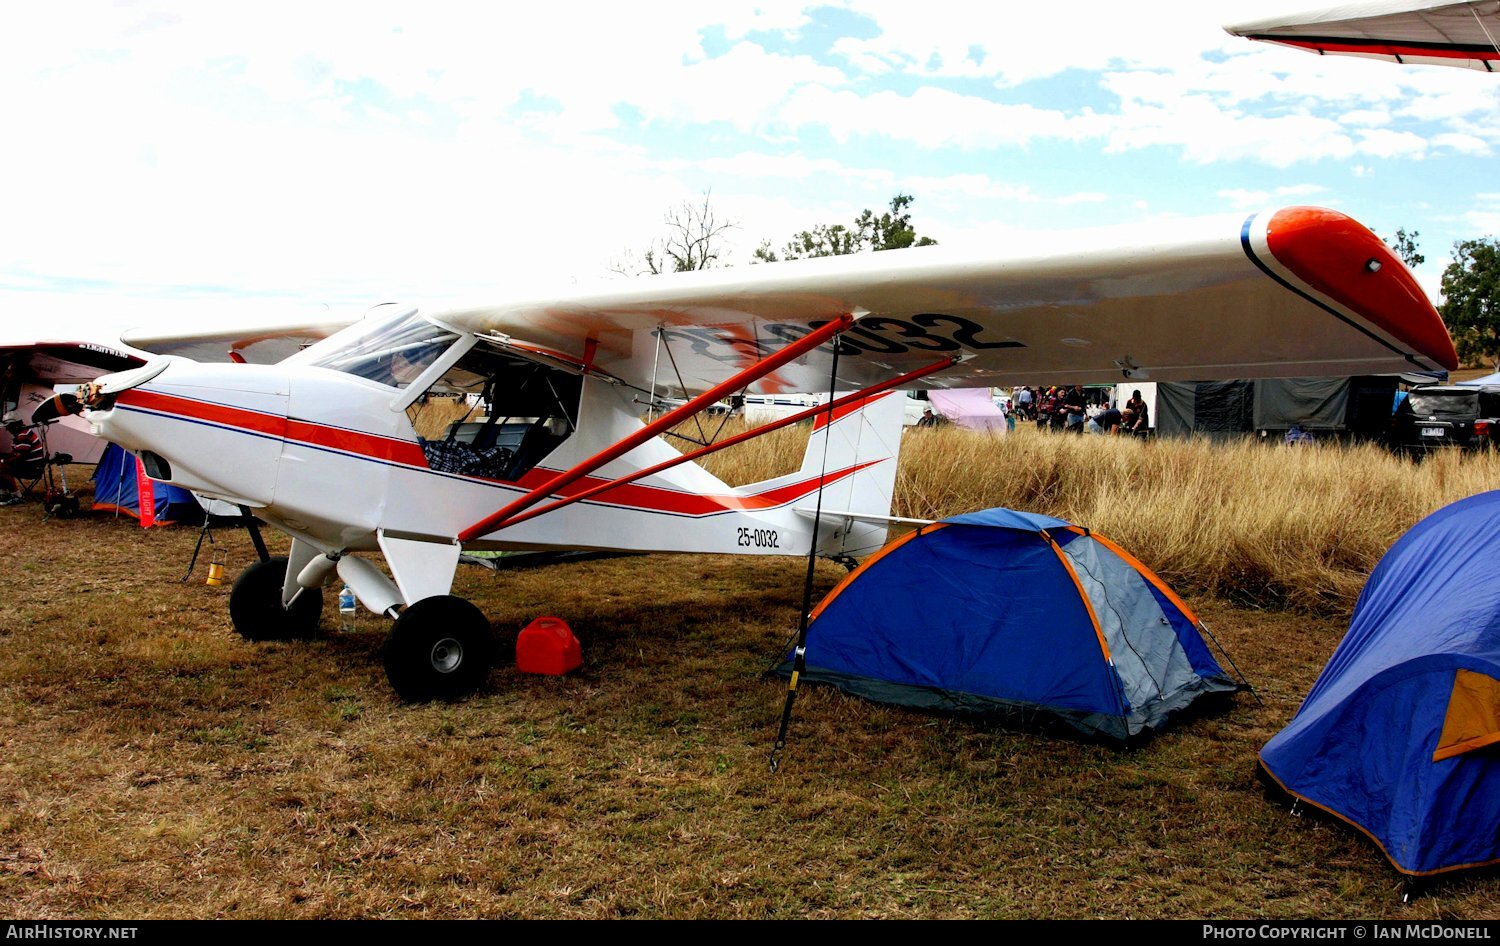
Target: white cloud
(1464, 144)
(968, 186)
(1013, 43)
(1206, 133)
(1083, 197)
(1382, 143)
(1240, 198)
(740, 87)
(342, 149)
(752, 165)
(932, 118)
(1453, 100)
(782, 16)
(1366, 116)
(1484, 217)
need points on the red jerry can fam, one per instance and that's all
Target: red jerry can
(547, 645)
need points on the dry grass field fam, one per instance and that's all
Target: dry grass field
(1263, 525)
(156, 765)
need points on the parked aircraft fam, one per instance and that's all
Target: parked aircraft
(322, 445)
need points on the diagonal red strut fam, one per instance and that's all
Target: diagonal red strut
(787, 421)
(670, 419)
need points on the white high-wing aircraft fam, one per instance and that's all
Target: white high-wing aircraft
(1465, 34)
(322, 445)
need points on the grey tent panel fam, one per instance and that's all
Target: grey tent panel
(1316, 403)
(1176, 405)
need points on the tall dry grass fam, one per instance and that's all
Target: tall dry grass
(433, 417)
(773, 454)
(1258, 523)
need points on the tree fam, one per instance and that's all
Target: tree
(1471, 298)
(891, 230)
(693, 240)
(1405, 245)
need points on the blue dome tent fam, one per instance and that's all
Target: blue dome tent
(1004, 612)
(1400, 736)
(121, 485)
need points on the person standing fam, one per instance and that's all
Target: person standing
(1137, 406)
(1075, 404)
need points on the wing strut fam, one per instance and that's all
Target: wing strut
(766, 428)
(744, 377)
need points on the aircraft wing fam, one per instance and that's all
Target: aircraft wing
(257, 342)
(62, 362)
(1426, 32)
(1298, 292)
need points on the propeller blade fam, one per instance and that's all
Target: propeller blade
(59, 405)
(125, 380)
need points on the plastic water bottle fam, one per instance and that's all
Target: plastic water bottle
(346, 607)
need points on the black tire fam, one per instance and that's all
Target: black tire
(440, 648)
(255, 605)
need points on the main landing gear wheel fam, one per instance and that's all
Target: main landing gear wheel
(255, 605)
(440, 648)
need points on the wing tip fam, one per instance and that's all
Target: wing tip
(1336, 255)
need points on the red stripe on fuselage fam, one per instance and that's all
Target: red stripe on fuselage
(656, 499)
(406, 453)
(192, 409)
(352, 441)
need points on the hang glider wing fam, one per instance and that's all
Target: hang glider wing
(1299, 292)
(256, 342)
(62, 362)
(1431, 33)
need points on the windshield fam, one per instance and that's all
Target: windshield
(393, 349)
(1449, 404)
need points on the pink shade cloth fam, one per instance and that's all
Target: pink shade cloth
(971, 408)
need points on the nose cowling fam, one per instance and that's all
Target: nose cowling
(219, 429)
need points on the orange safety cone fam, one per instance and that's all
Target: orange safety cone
(547, 646)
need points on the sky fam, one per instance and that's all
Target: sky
(180, 159)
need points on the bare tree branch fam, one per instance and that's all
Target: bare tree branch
(693, 240)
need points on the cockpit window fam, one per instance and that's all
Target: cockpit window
(494, 415)
(393, 350)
